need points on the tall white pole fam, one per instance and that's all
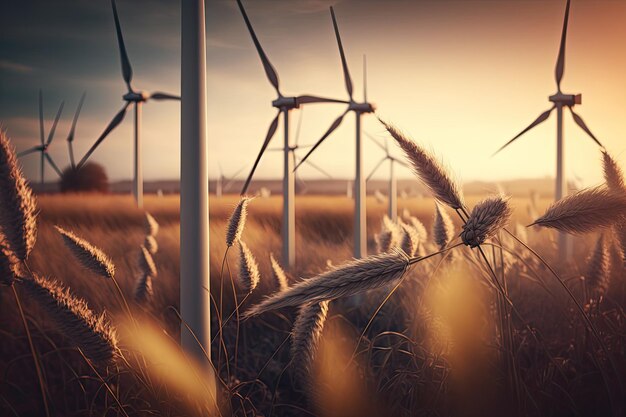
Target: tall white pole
(561, 181)
(194, 186)
(138, 172)
(393, 193)
(289, 187)
(360, 234)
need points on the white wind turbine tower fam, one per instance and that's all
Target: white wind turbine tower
(393, 184)
(132, 97)
(360, 231)
(560, 100)
(284, 106)
(45, 143)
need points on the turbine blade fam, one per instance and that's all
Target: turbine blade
(70, 136)
(233, 178)
(307, 99)
(330, 130)
(268, 137)
(53, 165)
(41, 128)
(71, 149)
(54, 124)
(112, 125)
(375, 168)
(269, 69)
(163, 96)
(560, 63)
(344, 64)
(542, 118)
(28, 151)
(364, 78)
(404, 164)
(316, 167)
(373, 139)
(579, 121)
(127, 71)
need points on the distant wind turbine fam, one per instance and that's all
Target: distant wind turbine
(284, 106)
(560, 100)
(132, 97)
(393, 185)
(360, 232)
(223, 182)
(45, 143)
(70, 136)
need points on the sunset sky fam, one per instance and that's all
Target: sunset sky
(462, 77)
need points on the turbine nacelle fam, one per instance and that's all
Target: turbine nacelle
(135, 96)
(566, 99)
(287, 103)
(362, 107)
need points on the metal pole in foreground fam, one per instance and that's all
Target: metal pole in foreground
(138, 174)
(194, 186)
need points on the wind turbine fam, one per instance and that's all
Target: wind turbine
(560, 100)
(393, 185)
(360, 232)
(132, 97)
(45, 143)
(70, 136)
(284, 105)
(223, 183)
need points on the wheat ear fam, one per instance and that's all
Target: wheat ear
(89, 256)
(150, 225)
(443, 228)
(237, 221)
(248, 268)
(410, 239)
(18, 215)
(90, 332)
(305, 337)
(612, 173)
(599, 268)
(487, 217)
(143, 290)
(429, 170)
(279, 274)
(151, 244)
(585, 211)
(9, 265)
(352, 278)
(145, 262)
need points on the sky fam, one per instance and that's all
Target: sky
(461, 77)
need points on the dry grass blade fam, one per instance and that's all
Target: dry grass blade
(18, 215)
(9, 265)
(585, 211)
(487, 217)
(143, 290)
(90, 257)
(146, 262)
(279, 274)
(90, 332)
(248, 268)
(151, 244)
(429, 170)
(612, 173)
(150, 225)
(352, 278)
(305, 337)
(443, 228)
(237, 221)
(599, 269)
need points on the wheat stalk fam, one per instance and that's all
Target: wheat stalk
(429, 170)
(18, 215)
(487, 217)
(443, 228)
(598, 271)
(585, 211)
(146, 262)
(9, 265)
(305, 337)
(90, 332)
(237, 221)
(279, 274)
(143, 290)
(89, 256)
(150, 225)
(612, 173)
(352, 278)
(151, 244)
(410, 240)
(248, 268)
